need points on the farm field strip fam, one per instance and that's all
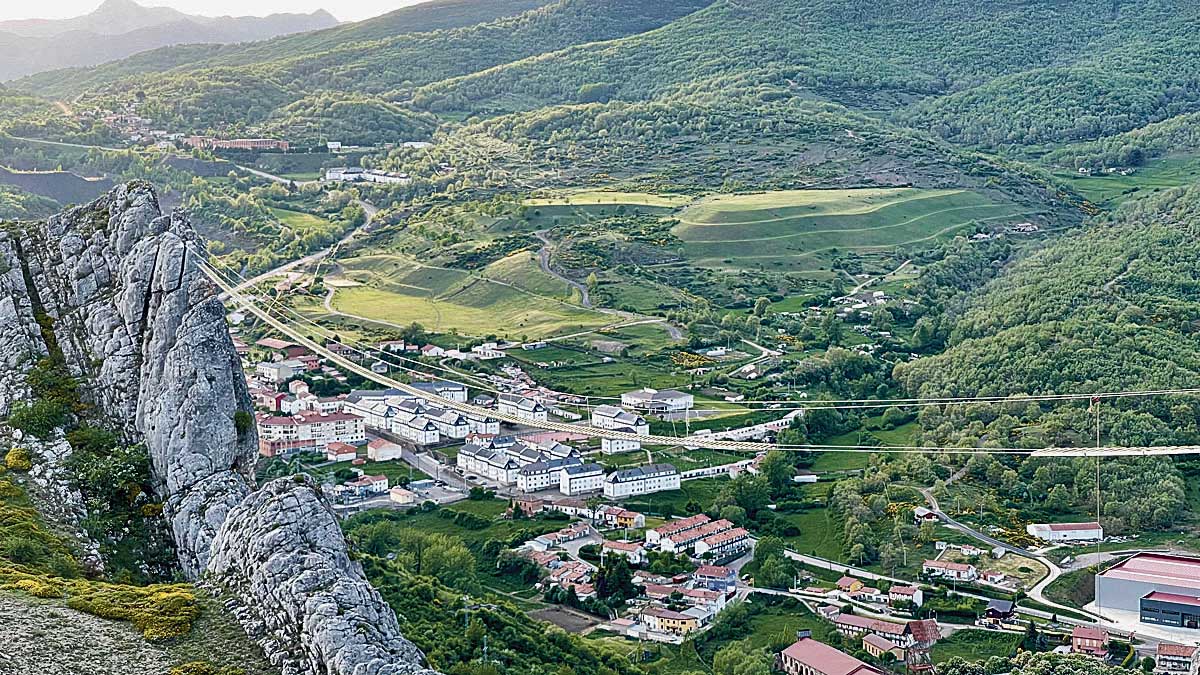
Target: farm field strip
(800, 252)
(791, 204)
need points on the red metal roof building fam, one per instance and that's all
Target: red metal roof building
(806, 656)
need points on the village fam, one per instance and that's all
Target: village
(403, 451)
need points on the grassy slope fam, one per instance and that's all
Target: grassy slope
(509, 297)
(803, 222)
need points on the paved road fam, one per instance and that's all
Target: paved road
(1037, 593)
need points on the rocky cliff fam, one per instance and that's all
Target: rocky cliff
(141, 326)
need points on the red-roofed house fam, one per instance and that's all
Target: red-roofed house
(849, 584)
(634, 553)
(1176, 659)
(654, 536)
(806, 656)
(1090, 641)
(340, 452)
(911, 594)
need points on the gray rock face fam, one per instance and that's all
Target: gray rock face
(137, 319)
(282, 546)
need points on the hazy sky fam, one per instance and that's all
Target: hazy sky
(345, 11)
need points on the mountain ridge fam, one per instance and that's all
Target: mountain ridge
(121, 28)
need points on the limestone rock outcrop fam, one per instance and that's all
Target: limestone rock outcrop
(282, 546)
(141, 325)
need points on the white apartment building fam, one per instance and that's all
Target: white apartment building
(612, 446)
(483, 425)
(613, 417)
(641, 480)
(522, 408)
(658, 401)
(578, 479)
(278, 372)
(419, 430)
(543, 475)
(488, 461)
(452, 391)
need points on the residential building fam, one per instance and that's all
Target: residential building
(848, 584)
(615, 516)
(911, 594)
(924, 515)
(686, 540)
(379, 450)
(278, 372)
(654, 536)
(522, 408)
(947, 569)
(483, 425)
(578, 479)
(641, 480)
(402, 496)
(340, 452)
(614, 417)
(419, 430)
(658, 401)
(633, 552)
(806, 656)
(452, 391)
(661, 620)
(1066, 532)
(369, 485)
(716, 578)
(612, 446)
(448, 422)
(1090, 641)
(543, 475)
(877, 646)
(999, 611)
(724, 544)
(1176, 659)
(905, 635)
(488, 460)
(308, 432)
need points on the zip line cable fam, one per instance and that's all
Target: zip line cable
(693, 441)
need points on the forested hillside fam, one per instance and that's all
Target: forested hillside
(1109, 308)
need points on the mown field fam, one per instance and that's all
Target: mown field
(975, 645)
(510, 298)
(790, 228)
(1163, 173)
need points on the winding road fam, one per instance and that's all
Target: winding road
(631, 318)
(1037, 592)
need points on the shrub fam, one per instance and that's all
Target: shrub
(205, 668)
(37, 588)
(242, 421)
(18, 459)
(158, 612)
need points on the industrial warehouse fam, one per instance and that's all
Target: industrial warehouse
(1162, 589)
